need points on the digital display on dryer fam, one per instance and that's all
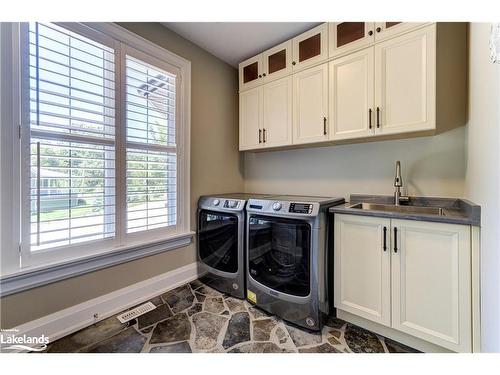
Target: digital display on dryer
(231, 204)
(300, 208)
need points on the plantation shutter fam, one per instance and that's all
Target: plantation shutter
(72, 138)
(151, 156)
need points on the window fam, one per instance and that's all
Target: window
(102, 156)
(151, 156)
(72, 138)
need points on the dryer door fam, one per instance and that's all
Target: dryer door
(218, 240)
(279, 252)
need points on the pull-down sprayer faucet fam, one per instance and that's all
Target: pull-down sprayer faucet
(398, 184)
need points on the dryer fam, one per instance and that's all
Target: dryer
(221, 245)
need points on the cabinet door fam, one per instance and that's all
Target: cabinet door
(431, 282)
(362, 273)
(310, 105)
(405, 82)
(351, 95)
(250, 72)
(384, 30)
(251, 119)
(277, 61)
(277, 106)
(345, 37)
(310, 48)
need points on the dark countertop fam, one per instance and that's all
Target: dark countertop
(456, 211)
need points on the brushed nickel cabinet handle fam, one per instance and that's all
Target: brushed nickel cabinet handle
(378, 117)
(264, 135)
(370, 118)
(260, 136)
(324, 125)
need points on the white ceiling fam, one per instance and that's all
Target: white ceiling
(234, 42)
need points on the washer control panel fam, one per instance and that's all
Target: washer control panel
(300, 208)
(284, 208)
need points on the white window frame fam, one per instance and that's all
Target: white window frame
(77, 259)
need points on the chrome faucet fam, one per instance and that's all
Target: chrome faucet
(398, 184)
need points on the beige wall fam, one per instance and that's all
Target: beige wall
(215, 167)
(432, 166)
(483, 177)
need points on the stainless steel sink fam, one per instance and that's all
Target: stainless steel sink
(403, 209)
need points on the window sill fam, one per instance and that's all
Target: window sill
(33, 277)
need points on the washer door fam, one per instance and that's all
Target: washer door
(279, 254)
(218, 240)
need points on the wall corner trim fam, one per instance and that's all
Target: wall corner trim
(69, 320)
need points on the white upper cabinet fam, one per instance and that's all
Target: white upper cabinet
(405, 82)
(351, 95)
(310, 48)
(354, 80)
(384, 30)
(362, 261)
(310, 105)
(266, 115)
(277, 113)
(345, 37)
(251, 119)
(431, 282)
(250, 73)
(277, 61)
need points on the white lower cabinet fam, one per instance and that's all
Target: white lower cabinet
(431, 282)
(363, 267)
(419, 285)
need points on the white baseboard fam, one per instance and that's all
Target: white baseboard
(74, 318)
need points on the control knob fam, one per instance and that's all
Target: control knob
(216, 202)
(276, 206)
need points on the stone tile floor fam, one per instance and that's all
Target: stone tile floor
(197, 318)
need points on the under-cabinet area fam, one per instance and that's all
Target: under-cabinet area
(354, 81)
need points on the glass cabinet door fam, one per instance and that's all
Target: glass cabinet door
(348, 36)
(218, 240)
(310, 47)
(391, 24)
(279, 254)
(250, 72)
(385, 30)
(277, 61)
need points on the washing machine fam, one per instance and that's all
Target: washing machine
(286, 246)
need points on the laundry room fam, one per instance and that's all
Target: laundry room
(207, 183)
